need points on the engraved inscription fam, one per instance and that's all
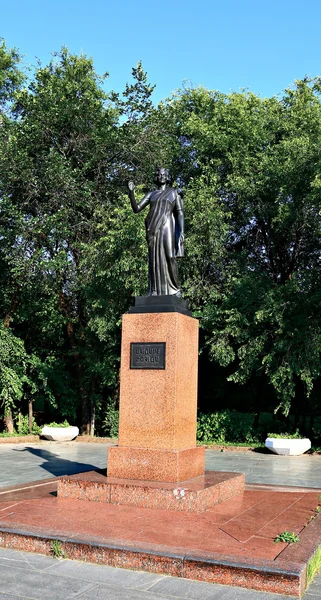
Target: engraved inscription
(147, 355)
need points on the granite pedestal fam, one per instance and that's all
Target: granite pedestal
(157, 420)
(157, 462)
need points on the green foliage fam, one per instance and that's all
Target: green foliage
(11, 77)
(290, 436)
(111, 420)
(54, 424)
(261, 317)
(13, 367)
(287, 537)
(234, 427)
(73, 255)
(227, 426)
(57, 549)
(313, 565)
(22, 426)
(67, 234)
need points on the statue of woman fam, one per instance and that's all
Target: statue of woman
(164, 232)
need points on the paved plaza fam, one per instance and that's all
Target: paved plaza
(35, 577)
(21, 463)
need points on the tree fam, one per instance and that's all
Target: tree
(72, 254)
(65, 154)
(13, 367)
(11, 77)
(54, 158)
(263, 313)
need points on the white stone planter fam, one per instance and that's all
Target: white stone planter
(287, 446)
(60, 434)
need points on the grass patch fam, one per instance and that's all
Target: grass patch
(57, 549)
(313, 565)
(232, 444)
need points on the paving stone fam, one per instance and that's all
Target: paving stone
(105, 574)
(268, 468)
(102, 592)
(33, 462)
(40, 585)
(12, 597)
(198, 590)
(315, 588)
(185, 588)
(25, 560)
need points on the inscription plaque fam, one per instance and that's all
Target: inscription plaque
(147, 355)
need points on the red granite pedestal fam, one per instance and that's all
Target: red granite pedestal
(157, 463)
(157, 419)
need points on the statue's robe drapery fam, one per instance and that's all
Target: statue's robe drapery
(163, 242)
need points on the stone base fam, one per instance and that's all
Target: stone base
(155, 465)
(159, 304)
(158, 407)
(193, 495)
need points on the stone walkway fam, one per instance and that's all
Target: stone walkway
(31, 462)
(21, 463)
(302, 471)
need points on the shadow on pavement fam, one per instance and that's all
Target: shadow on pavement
(58, 466)
(262, 450)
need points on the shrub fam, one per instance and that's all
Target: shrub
(111, 420)
(290, 436)
(22, 426)
(227, 426)
(54, 424)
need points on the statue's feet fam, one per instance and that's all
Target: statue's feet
(178, 294)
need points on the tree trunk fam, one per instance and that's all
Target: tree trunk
(85, 420)
(13, 305)
(296, 404)
(30, 414)
(8, 421)
(8, 418)
(92, 419)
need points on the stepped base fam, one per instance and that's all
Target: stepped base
(192, 495)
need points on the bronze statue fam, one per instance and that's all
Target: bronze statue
(164, 232)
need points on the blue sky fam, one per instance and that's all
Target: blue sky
(255, 44)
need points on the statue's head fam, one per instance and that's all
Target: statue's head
(162, 175)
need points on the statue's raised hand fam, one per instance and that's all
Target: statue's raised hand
(131, 186)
